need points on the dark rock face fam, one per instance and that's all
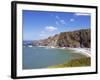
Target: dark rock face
(69, 39)
(79, 38)
(85, 38)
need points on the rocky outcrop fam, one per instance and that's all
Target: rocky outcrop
(78, 38)
(50, 41)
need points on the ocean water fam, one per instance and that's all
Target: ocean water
(42, 57)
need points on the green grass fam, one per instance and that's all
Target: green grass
(74, 63)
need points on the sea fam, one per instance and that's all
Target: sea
(35, 57)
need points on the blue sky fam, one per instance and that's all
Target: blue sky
(42, 24)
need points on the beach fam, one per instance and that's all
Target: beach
(84, 51)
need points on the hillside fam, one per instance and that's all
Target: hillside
(78, 38)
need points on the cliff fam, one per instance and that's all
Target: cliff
(78, 38)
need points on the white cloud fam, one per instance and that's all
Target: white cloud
(57, 17)
(42, 35)
(42, 32)
(57, 23)
(50, 28)
(71, 19)
(62, 21)
(82, 14)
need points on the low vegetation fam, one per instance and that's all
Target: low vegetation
(86, 61)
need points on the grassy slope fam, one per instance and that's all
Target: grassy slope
(74, 63)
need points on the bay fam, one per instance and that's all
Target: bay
(42, 57)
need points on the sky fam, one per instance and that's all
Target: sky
(42, 24)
